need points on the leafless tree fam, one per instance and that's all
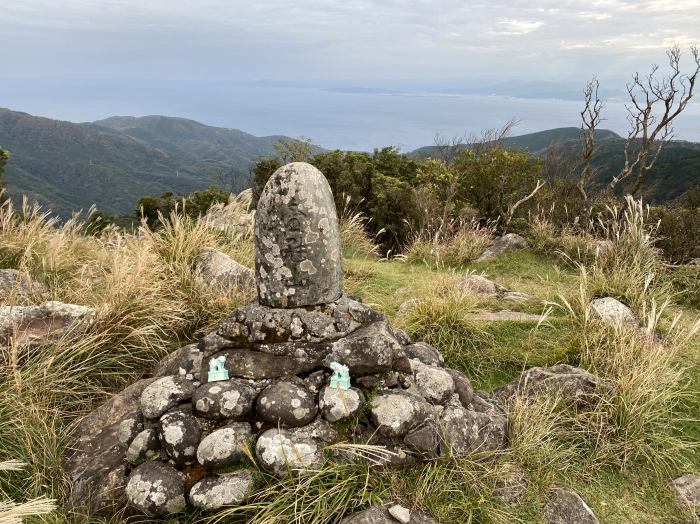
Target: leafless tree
(512, 208)
(654, 105)
(591, 116)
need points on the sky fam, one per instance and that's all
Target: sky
(353, 41)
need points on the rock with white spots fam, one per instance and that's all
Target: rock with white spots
(145, 446)
(219, 272)
(226, 399)
(480, 285)
(214, 493)
(612, 311)
(224, 447)
(434, 384)
(395, 413)
(389, 513)
(338, 404)
(164, 394)
(286, 404)
(131, 426)
(180, 435)
(184, 361)
(255, 324)
(282, 452)
(156, 489)
(298, 258)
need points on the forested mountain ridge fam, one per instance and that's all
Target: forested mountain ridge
(111, 163)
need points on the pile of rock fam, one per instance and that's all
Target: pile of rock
(185, 435)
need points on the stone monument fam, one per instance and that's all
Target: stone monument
(302, 361)
(298, 258)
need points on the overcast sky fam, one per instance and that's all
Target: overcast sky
(340, 40)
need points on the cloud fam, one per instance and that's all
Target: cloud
(517, 27)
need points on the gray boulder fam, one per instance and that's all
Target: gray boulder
(184, 361)
(214, 493)
(16, 285)
(370, 350)
(218, 271)
(156, 489)
(463, 387)
(686, 489)
(468, 431)
(131, 426)
(145, 446)
(34, 325)
(224, 447)
(298, 257)
(226, 399)
(180, 435)
(281, 452)
(565, 506)
(574, 385)
(248, 364)
(480, 285)
(164, 394)
(504, 244)
(286, 404)
(612, 311)
(94, 461)
(425, 439)
(426, 353)
(395, 413)
(337, 404)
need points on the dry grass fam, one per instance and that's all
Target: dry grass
(451, 245)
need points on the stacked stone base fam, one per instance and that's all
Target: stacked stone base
(190, 441)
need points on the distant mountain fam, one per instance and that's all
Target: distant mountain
(676, 171)
(113, 162)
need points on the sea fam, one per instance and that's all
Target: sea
(357, 119)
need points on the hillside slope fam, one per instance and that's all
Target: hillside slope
(113, 162)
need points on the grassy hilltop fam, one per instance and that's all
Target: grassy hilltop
(618, 456)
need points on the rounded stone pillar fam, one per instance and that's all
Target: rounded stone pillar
(298, 256)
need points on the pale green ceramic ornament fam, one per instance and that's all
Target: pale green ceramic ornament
(341, 376)
(217, 371)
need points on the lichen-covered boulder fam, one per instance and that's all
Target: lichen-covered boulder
(145, 446)
(257, 324)
(565, 506)
(369, 350)
(214, 493)
(338, 404)
(574, 385)
(129, 427)
(434, 384)
(184, 361)
(298, 258)
(180, 435)
(395, 413)
(286, 404)
(468, 431)
(156, 489)
(281, 452)
(221, 273)
(225, 446)
(271, 360)
(425, 439)
(164, 394)
(612, 311)
(226, 399)
(480, 285)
